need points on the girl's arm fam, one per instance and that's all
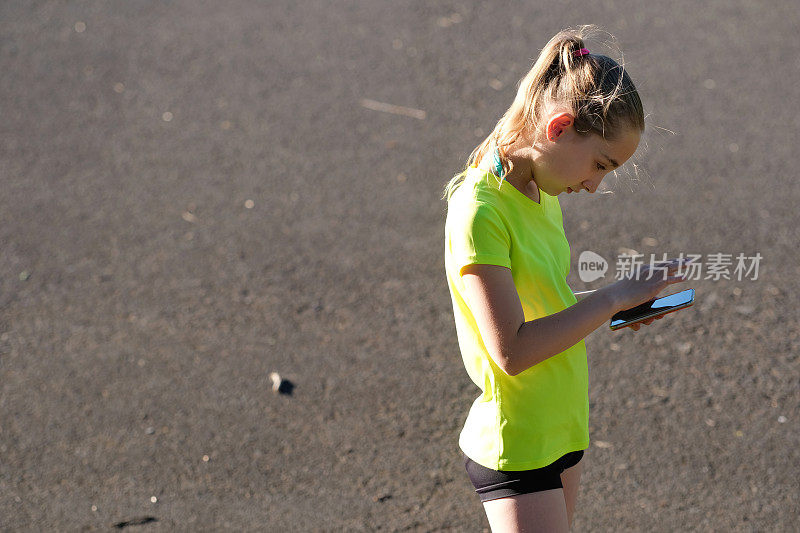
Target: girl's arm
(516, 345)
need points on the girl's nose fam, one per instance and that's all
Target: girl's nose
(589, 185)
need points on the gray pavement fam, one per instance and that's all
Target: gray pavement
(195, 195)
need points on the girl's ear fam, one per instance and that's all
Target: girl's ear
(558, 124)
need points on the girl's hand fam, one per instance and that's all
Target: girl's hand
(638, 289)
(635, 327)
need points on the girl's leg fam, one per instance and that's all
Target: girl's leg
(543, 511)
(571, 479)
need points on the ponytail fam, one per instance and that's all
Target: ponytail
(595, 88)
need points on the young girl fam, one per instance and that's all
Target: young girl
(576, 117)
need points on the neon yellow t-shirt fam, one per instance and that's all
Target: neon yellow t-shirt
(529, 420)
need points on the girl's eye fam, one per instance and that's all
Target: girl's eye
(600, 166)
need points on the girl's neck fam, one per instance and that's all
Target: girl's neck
(521, 176)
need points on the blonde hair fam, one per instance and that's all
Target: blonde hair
(594, 88)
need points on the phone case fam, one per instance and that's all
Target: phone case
(653, 315)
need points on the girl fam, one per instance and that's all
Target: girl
(576, 117)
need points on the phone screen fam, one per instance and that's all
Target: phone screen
(655, 307)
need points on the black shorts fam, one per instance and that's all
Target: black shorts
(493, 484)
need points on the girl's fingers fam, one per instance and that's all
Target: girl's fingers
(672, 264)
(661, 271)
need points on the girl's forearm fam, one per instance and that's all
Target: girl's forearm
(540, 339)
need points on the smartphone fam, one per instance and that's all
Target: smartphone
(655, 307)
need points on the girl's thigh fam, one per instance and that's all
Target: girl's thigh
(544, 511)
(571, 480)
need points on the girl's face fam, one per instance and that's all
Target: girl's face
(564, 161)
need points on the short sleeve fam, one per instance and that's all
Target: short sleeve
(477, 235)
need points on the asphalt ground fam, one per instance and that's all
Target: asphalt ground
(197, 194)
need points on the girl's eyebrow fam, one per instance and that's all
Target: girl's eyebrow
(616, 165)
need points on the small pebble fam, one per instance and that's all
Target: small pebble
(153, 499)
(205, 458)
(603, 444)
(773, 290)
(627, 251)
(276, 380)
(150, 430)
(280, 385)
(781, 419)
(684, 347)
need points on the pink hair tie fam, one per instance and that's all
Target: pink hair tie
(581, 52)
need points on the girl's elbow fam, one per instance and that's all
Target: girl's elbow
(505, 361)
(511, 372)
